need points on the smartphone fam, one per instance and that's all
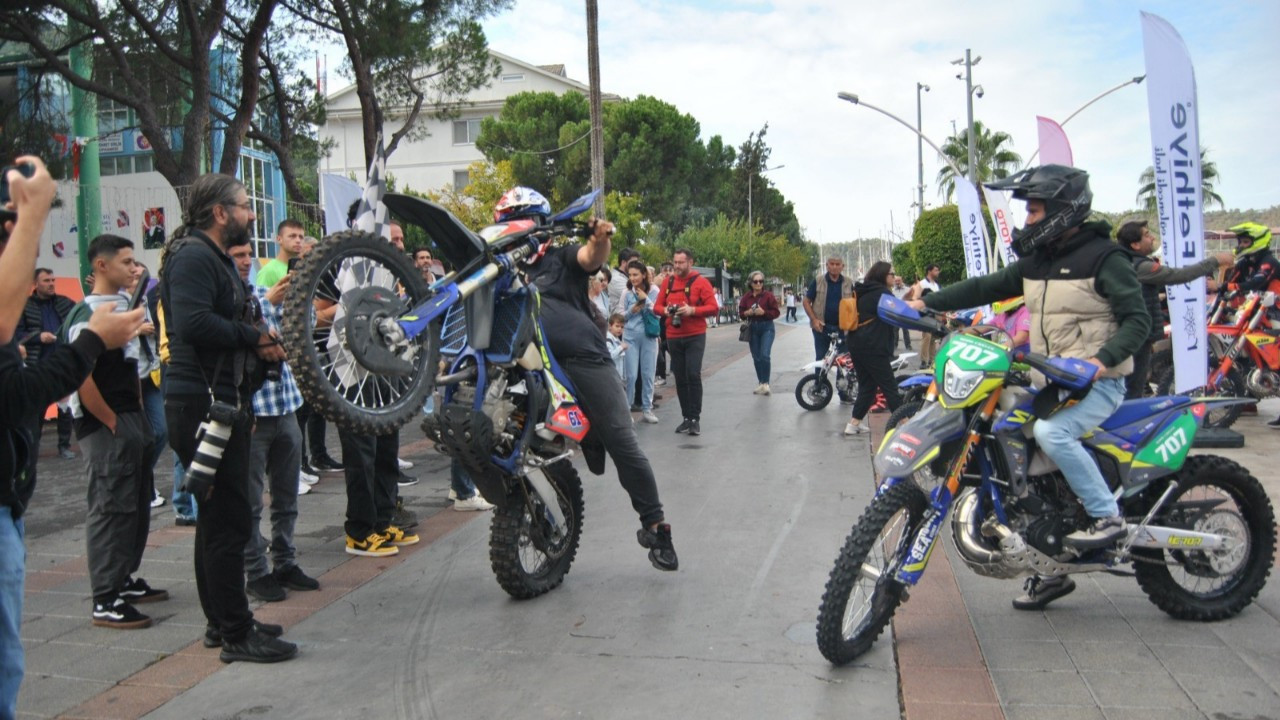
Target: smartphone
(27, 170)
(293, 263)
(140, 291)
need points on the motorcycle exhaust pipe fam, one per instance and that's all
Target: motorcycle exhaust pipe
(965, 532)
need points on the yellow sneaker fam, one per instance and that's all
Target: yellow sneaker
(373, 546)
(396, 536)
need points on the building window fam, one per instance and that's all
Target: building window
(264, 249)
(143, 163)
(461, 178)
(112, 116)
(253, 173)
(465, 132)
(513, 77)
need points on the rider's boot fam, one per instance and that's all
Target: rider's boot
(1042, 590)
(662, 553)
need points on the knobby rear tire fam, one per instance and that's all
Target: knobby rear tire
(511, 543)
(841, 645)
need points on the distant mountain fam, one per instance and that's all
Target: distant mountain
(1218, 220)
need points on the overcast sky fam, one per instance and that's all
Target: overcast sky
(737, 64)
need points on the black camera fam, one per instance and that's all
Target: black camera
(27, 170)
(675, 319)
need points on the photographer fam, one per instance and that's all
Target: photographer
(216, 353)
(686, 298)
(26, 195)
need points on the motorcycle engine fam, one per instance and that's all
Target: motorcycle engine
(1046, 514)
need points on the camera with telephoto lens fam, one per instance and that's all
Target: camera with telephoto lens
(675, 319)
(211, 441)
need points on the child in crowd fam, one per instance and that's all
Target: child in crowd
(614, 340)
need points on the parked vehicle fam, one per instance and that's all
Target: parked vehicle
(1202, 531)
(815, 389)
(502, 406)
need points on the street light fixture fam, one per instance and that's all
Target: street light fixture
(1136, 80)
(968, 63)
(853, 98)
(751, 228)
(919, 148)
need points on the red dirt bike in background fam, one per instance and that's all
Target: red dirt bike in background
(1244, 360)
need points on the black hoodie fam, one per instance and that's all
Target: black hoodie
(875, 337)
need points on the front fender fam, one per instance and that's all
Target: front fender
(814, 366)
(915, 443)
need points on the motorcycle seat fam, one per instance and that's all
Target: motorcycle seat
(1132, 411)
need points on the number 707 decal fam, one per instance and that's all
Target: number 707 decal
(972, 352)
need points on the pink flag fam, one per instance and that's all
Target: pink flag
(1054, 148)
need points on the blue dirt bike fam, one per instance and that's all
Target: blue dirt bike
(370, 341)
(1202, 533)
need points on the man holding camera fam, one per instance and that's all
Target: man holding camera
(686, 298)
(26, 193)
(216, 349)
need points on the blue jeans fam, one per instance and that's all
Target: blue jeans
(184, 505)
(13, 558)
(1059, 437)
(761, 343)
(460, 482)
(822, 341)
(153, 406)
(641, 364)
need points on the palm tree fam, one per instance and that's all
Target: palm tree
(1208, 174)
(995, 158)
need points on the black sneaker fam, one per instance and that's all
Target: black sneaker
(1041, 591)
(636, 408)
(694, 428)
(184, 521)
(406, 480)
(257, 647)
(294, 579)
(661, 552)
(136, 590)
(114, 612)
(1274, 424)
(1101, 532)
(266, 588)
(324, 462)
(684, 426)
(213, 636)
(403, 517)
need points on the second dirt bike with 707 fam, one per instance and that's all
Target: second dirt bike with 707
(1201, 530)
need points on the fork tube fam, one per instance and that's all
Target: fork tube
(957, 467)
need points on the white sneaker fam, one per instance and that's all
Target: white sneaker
(475, 502)
(764, 389)
(649, 417)
(404, 464)
(303, 487)
(308, 478)
(759, 390)
(157, 501)
(452, 495)
(853, 428)
(659, 382)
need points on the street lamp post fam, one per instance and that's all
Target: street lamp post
(968, 96)
(1131, 81)
(919, 148)
(852, 98)
(751, 228)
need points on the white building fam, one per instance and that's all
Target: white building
(440, 158)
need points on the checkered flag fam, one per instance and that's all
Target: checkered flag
(371, 215)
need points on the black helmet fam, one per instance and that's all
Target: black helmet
(1067, 200)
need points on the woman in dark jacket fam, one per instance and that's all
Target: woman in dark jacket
(871, 347)
(760, 308)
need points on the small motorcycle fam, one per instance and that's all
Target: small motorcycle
(1201, 529)
(365, 336)
(815, 389)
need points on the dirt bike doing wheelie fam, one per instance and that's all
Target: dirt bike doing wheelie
(815, 389)
(502, 407)
(1201, 535)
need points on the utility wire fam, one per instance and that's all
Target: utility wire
(582, 137)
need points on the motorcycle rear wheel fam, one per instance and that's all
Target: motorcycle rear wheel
(1211, 585)
(355, 398)
(1231, 385)
(862, 593)
(814, 391)
(526, 560)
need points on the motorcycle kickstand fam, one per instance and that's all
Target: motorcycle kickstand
(1122, 553)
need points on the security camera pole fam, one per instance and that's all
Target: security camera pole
(968, 96)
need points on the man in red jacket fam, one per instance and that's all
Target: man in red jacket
(687, 300)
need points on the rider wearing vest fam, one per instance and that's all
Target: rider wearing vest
(1138, 243)
(1085, 303)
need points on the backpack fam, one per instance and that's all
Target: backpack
(849, 314)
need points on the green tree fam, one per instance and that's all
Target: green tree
(729, 241)
(1208, 176)
(751, 192)
(652, 150)
(528, 133)
(904, 263)
(473, 204)
(994, 153)
(937, 238)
